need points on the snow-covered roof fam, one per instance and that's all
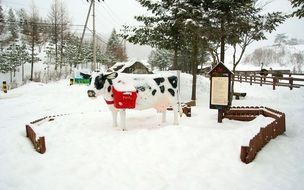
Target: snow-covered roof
(121, 66)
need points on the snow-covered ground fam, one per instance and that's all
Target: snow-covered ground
(85, 152)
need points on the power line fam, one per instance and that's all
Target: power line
(111, 15)
(114, 14)
(98, 36)
(43, 23)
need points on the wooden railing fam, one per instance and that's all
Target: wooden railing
(288, 80)
(271, 131)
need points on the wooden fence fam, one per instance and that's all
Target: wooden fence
(288, 80)
(39, 144)
(271, 131)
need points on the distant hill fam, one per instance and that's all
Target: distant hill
(279, 56)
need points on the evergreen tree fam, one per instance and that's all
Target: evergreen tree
(11, 60)
(12, 57)
(4, 64)
(12, 24)
(163, 30)
(160, 58)
(71, 50)
(2, 20)
(299, 5)
(176, 26)
(23, 57)
(115, 51)
(222, 22)
(23, 21)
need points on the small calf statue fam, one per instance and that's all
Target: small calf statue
(152, 91)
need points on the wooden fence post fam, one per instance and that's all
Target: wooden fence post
(250, 80)
(290, 83)
(244, 153)
(274, 81)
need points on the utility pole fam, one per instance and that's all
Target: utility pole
(83, 32)
(94, 38)
(94, 66)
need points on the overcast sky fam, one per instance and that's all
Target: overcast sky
(115, 13)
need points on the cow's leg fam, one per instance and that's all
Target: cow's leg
(114, 117)
(175, 111)
(164, 115)
(123, 119)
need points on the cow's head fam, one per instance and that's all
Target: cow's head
(98, 83)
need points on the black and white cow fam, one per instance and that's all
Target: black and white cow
(153, 91)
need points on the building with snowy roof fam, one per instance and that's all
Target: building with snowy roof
(135, 67)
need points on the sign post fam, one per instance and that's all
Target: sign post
(220, 89)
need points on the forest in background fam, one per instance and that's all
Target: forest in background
(25, 37)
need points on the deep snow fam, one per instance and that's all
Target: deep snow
(85, 152)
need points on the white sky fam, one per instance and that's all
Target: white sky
(115, 13)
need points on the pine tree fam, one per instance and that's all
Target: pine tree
(2, 20)
(163, 30)
(299, 5)
(115, 51)
(23, 21)
(11, 60)
(175, 25)
(71, 50)
(12, 24)
(160, 58)
(4, 64)
(23, 57)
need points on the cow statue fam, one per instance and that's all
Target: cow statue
(151, 90)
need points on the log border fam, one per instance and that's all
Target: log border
(271, 131)
(39, 144)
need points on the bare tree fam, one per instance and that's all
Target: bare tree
(59, 21)
(33, 35)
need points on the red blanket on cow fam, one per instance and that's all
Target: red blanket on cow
(124, 95)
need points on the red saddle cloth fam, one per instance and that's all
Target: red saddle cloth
(124, 97)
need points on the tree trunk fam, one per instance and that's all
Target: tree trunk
(194, 66)
(222, 56)
(232, 76)
(11, 76)
(32, 62)
(174, 66)
(22, 71)
(61, 50)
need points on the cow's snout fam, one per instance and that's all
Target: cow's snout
(91, 93)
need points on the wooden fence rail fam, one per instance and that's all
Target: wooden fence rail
(271, 131)
(254, 77)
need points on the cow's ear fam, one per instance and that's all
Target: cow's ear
(85, 76)
(111, 75)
